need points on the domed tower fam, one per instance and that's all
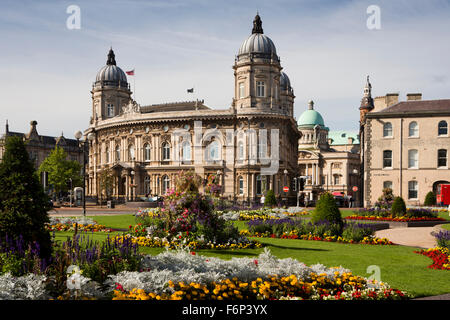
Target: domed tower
(257, 73)
(110, 91)
(286, 95)
(312, 127)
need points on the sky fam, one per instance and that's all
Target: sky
(326, 48)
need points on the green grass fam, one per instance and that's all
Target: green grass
(400, 267)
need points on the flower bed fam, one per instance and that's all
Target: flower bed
(69, 224)
(440, 257)
(295, 235)
(184, 242)
(262, 214)
(390, 218)
(183, 276)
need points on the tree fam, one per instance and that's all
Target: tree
(327, 209)
(106, 183)
(60, 170)
(270, 199)
(23, 202)
(430, 199)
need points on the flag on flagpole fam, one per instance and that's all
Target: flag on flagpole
(130, 73)
(191, 90)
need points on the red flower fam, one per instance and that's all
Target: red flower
(193, 253)
(255, 262)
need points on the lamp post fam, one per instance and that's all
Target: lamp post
(285, 184)
(82, 144)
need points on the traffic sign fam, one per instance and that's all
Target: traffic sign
(355, 188)
(286, 189)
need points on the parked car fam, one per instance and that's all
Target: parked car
(341, 201)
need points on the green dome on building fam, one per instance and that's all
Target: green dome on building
(310, 118)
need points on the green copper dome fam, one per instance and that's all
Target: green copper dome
(310, 118)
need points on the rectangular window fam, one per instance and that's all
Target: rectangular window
(413, 187)
(110, 110)
(260, 89)
(387, 159)
(442, 158)
(241, 90)
(241, 186)
(387, 184)
(413, 159)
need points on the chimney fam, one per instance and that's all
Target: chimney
(413, 96)
(391, 99)
(350, 140)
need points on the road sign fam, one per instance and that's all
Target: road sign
(355, 188)
(286, 189)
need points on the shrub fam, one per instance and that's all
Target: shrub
(270, 199)
(327, 209)
(398, 207)
(430, 199)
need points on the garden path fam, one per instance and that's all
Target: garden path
(415, 237)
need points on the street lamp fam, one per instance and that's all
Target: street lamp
(285, 182)
(82, 144)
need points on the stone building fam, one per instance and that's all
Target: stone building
(405, 145)
(329, 160)
(249, 147)
(39, 146)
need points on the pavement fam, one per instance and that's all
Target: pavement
(91, 211)
(413, 236)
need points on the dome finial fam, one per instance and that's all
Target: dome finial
(311, 105)
(257, 24)
(111, 57)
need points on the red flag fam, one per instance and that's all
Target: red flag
(130, 73)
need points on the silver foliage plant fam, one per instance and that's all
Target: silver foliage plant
(183, 266)
(177, 266)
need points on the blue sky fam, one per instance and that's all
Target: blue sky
(325, 48)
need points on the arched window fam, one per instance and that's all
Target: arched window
(131, 155)
(387, 129)
(413, 129)
(165, 184)
(166, 151)
(147, 185)
(117, 153)
(147, 150)
(241, 185)
(186, 151)
(213, 151)
(413, 159)
(442, 128)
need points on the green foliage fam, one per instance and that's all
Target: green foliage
(60, 170)
(106, 183)
(270, 199)
(430, 199)
(398, 207)
(23, 203)
(10, 263)
(327, 210)
(356, 233)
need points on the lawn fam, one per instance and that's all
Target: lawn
(399, 266)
